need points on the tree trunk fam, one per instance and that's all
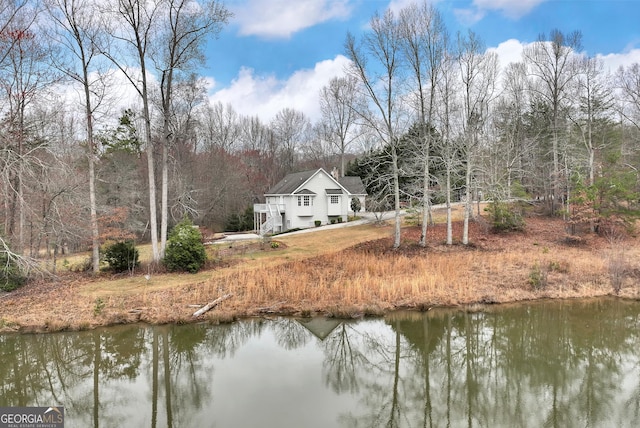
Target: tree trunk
(95, 235)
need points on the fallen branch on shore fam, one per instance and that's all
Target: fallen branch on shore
(211, 305)
(271, 309)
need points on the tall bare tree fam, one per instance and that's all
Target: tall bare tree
(424, 42)
(552, 66)
(338, 103)
(509, 152)
(133, 26)
(220, 127)
(593, 108)
(184, 28)
(380, 81)
(78, 32)
(447, 88)
(478, 74)
(23, 76)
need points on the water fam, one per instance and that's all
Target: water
(546, 364)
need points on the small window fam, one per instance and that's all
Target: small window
(335, 199)
(307, 201)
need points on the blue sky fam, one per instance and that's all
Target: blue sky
(279, 53)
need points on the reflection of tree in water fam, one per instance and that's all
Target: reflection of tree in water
(289, 333)
(343, 359)
(224, 340)
(551, 364)
(369, 363)
(188, 368)
(67, 368)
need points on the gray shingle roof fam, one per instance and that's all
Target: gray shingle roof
(353, 184)
(291, 182)
(305, 192)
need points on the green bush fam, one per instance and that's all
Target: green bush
(10, 275)
(505, 217)
(121, 256)
(185, 251)
(538, 277)
(317, 223)
(356, 206)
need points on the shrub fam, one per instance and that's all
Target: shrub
(317, 223)
(121, 256)
(356, 206)
(538, 277)
(185, 251)
(504, 217)
(10, 275)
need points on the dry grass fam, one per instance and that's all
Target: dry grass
(340, 272)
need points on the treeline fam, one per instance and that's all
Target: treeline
(77, 168)
(430, 115)
(555, 126)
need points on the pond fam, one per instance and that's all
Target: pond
(544, 364)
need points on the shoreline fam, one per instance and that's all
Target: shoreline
(224, 316)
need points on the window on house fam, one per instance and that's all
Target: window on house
(305, 201)
(335, 199)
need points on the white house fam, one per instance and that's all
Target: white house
(302, 198)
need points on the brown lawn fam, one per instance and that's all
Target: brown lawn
(346, 272)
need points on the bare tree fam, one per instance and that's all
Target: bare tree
(23, 77)
(511, 148)
(424, 42)
(184, 28)
(337, 101)
(291, 128)
(78, 32)
(447, 88)
(10, 10)
(133, 26)
(380, 80)
(551, 64)
(478, 73)
(593, 107)
(220, 127)
(628, 80)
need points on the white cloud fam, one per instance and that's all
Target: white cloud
(511, 51)
(282, 18)
(508, 51)
(264, 96)
(613, 61)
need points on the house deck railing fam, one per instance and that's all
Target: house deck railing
(271, 214)
(268, 208)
